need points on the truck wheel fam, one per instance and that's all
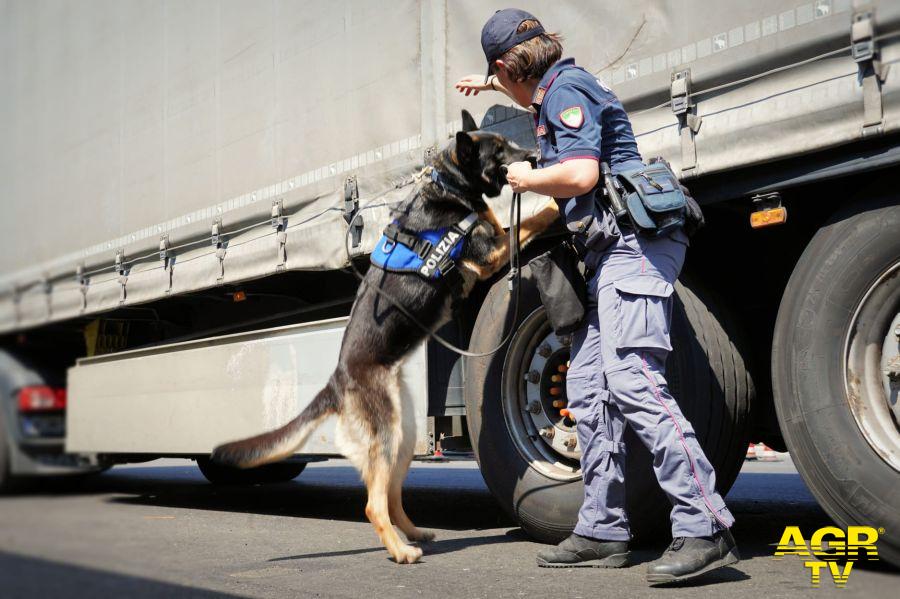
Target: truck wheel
(528, 452)
(836, 371)
(280, 472)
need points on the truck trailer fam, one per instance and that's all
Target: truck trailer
(179, 181)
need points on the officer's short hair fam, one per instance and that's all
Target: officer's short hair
(532, 58)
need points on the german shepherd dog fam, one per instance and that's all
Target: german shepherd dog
(376, 428)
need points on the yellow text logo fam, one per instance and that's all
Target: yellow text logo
(830, 545)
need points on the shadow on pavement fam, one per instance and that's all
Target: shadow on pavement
(29, 577)
(322, 492)
(445, 497)
(726, 574)
(433, 548)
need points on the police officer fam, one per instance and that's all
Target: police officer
(616, 374)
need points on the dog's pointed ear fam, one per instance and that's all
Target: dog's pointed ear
(465, 147)
(468, 123)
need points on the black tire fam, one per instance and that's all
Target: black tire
(810, 360)
(717, 404)
(280, 472)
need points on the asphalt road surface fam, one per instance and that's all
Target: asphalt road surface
(159, 530)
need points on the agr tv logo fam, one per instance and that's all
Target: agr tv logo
(831, 545)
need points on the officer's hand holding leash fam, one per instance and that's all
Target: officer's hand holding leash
(517, 174)
(514, 276)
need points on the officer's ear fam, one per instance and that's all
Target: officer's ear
(465, 148)
(468, 123)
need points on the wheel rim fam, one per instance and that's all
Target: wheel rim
(872, 366)
(532, 381)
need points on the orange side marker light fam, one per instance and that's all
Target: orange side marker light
(768, 217)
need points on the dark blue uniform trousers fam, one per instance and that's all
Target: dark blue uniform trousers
(617, 376)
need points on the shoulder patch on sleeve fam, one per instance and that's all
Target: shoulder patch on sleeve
(572, 117)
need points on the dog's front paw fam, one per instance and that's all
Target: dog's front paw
(421, 536)
(407, 554)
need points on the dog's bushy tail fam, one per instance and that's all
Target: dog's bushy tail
(282, 442)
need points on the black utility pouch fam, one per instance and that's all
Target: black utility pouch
(562, 287)
(655, 202)
(693, 215)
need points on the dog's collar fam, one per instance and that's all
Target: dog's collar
(448, 187)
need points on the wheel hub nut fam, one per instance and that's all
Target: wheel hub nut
(547, 432)
(570, 443)
(544, 350)
(533, 376)
(534, 407)
(893, 369)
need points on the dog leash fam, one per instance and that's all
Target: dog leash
(514, 278)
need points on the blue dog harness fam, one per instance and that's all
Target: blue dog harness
(432, 254)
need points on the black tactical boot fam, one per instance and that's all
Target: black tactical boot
(687, 557)
(583, 552)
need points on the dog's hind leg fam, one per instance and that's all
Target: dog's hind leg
(378, 483)
(395, 493)
(406, 433)
(368, 435)
(398, 514)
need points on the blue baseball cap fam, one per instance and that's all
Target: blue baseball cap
(499, 33)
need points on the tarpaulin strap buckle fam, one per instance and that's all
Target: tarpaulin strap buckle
(122, 271)
(688, 121)
(872, 73)
(221, 245)
(47, 288)
(83, 282)
(17, 300)
(279, 223)
(351, 211)
(282, 250)
(168, 259)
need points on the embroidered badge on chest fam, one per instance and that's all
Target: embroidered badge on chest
(572, 117)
